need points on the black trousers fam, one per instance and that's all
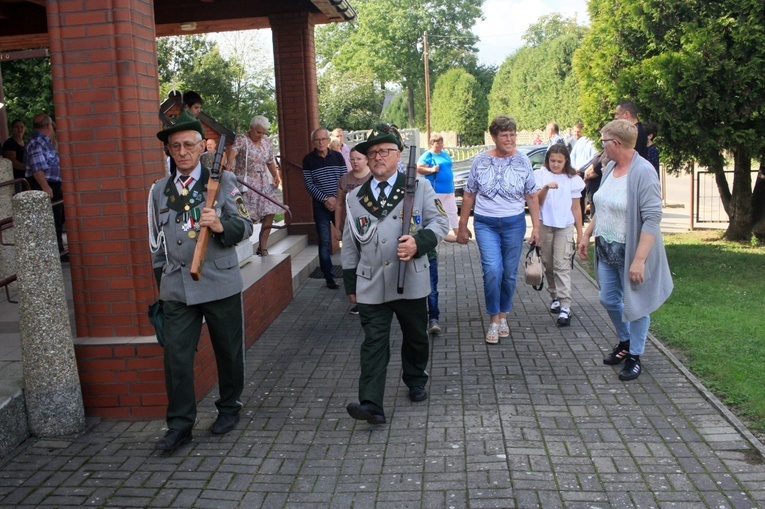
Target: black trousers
(183, 326)
(412, 315)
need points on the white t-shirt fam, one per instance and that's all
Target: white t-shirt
(555, 211)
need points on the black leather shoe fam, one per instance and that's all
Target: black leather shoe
(173, 439)
(418, 394)
(332, 285)
(224, 423)
(366, 411)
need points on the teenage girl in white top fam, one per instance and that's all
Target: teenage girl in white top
(560, 216)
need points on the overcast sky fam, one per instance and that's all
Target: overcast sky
(507, 20)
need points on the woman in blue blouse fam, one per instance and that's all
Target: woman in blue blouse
(436, 165)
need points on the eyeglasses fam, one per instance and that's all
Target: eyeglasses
(383, 152)
(320, 139)
(604, 140)
(188, 145)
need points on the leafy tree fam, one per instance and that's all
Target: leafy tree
(28, 89)
(459, 104)
(233, 94)
(537, 83)
(396, 112)
(349, 100)
(695, 68)
(387, 41)
(484, 74)
(548, 27)
(253, 73)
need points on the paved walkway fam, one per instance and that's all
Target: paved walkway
(536, 421)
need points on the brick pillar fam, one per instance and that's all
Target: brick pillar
(105, 91)
(298, 108)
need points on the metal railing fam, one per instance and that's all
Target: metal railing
(708, 204)
(6, 223)
(283, 206)
(459, 154)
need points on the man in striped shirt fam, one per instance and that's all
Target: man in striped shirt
(322, 169)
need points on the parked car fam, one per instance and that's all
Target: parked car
(536, 153)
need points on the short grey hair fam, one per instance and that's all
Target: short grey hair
(260, 121)
(502, 123)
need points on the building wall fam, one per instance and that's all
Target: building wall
(126, 380)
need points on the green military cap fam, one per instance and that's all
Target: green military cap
(184, 122)
(382, 133)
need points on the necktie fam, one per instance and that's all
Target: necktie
(382, 198)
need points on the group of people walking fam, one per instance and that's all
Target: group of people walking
(364, 199)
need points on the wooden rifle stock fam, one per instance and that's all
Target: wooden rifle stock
(213, 185)
(409, 190)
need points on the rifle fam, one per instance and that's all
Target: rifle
(409, 190)
(213, 185)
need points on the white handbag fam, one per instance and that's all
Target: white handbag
(534, 269)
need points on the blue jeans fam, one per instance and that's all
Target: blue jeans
(610, 281)
(323, 219)
(433, 312)
(500, 241)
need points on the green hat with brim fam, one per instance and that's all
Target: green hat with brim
(184, 122)
(382, 133)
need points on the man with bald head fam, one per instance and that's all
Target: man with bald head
(43, 170)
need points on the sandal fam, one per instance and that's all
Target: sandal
(504, 329)
(492, 336)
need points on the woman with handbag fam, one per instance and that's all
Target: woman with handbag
(500, 182)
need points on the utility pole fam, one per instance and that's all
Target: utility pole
(427, 86)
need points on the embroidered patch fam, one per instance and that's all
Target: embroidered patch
(440, 207)
(362, 224)
(241, 207)
(235, 191)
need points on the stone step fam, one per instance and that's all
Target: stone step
(304, 258)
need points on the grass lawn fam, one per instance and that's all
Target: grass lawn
(715, 319)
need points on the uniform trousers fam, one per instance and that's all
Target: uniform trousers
(412, 316)
(183, 326)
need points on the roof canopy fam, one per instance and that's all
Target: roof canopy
(23, 23)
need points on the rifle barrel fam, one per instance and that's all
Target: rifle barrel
(200, 250)
(409, 190)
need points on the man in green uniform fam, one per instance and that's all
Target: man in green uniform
(179, 210)
(373, 245)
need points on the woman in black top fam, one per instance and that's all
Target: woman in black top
(15, 150)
